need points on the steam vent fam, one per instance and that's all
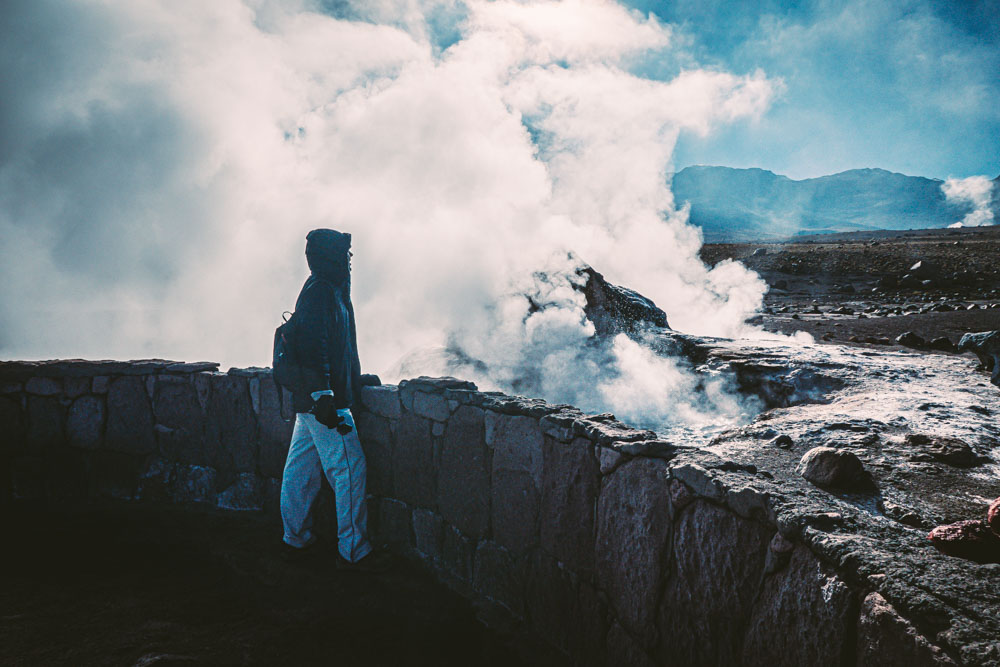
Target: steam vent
(600, 543)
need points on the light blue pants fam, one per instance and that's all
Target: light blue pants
(316, 449)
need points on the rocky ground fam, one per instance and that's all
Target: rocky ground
(859, 289)
(130, 585)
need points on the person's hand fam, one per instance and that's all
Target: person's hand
(325, 410)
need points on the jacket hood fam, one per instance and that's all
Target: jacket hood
(326, 254)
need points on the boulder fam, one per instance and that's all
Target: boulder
(924, 270)
(972, 540)
(986, 346)
(910, 339)
(833, 468)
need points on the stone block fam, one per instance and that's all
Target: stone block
(395, 523)
(232, 426)
(514, 504)
(718, 564)
(464, 474)
(376, 440)
(803, 616)
(570, 484)
(550, 596)
(12, 426)
(115, 474)
(100, 384)
(129, 417)
(46, 417)
(559, 425)
(85, 422)
(154, 481)
(428, 533)
(67, 476)
(28, 475)
(43, 386)
(246, 493)
(624, 650)
(413, 473)
(589, 627)
(885, 638)
(516, 443)
(74, 387)
(274, 432)
(432, 406)
(181, 425)
(633, 540)
(382, 401)
(191, 484)
(700, 481)
(496, 576)
(457, 551)
(609, 460)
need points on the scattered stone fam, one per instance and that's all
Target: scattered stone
(910, 339)
(972, 540)
(939, 448)
(836, 468)
(783, 441)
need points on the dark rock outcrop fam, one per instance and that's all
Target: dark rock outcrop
(833, 468)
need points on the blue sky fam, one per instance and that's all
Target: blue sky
(911, 86)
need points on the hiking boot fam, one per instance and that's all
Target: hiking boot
(375, 562)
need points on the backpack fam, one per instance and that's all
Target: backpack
(286, 366)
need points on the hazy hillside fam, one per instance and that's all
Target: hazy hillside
(734, 204)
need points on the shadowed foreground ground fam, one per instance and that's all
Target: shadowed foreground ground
(124, 585)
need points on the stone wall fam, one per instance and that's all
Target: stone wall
(616, 547)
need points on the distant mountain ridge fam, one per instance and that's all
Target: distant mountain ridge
(744, 204)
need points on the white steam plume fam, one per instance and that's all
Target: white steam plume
(974, 191)
(170, 163)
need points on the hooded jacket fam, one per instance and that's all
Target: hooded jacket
(326, 335)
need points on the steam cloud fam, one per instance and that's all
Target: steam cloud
(974, 191)
(161, 163)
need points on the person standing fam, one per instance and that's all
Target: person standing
(324, 439)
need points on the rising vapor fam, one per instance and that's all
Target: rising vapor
(978, 192)
(162, 161)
